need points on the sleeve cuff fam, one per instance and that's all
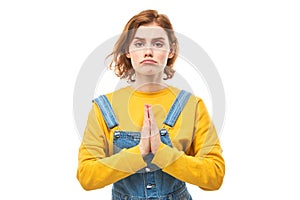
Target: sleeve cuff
(166, 155)
(127, 160)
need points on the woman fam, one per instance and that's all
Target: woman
(148, 139)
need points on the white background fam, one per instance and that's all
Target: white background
(255, 46)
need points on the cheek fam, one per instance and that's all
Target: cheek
(163, 57)
(135, 54)
(134, 57)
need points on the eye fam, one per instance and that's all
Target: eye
(138, 44)
(158, 44)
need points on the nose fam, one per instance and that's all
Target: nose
(148, 51)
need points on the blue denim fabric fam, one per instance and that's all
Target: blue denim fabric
(180, 194)
(150, 182)
(126, 139)
(177, 107)
(107, 111)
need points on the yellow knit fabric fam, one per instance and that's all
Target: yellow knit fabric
(196, 155)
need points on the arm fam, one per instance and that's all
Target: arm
(202, 164)
(96, 168)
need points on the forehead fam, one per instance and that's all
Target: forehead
(151, 31)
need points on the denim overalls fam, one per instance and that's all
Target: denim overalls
(150, 182)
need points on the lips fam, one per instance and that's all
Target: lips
(148, 61)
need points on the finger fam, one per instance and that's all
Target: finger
(151, 116)
(146, 124)
(153, 127)
(146, 113)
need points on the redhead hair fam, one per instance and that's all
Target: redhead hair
(121, 64)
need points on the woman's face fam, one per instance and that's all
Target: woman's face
(149, 50)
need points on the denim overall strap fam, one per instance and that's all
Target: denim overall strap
(107, 111)
(177, 107)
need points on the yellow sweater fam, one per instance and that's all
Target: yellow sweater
(196, 155)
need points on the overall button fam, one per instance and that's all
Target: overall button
(117, 134)
(150, 186)
(163, 132)
(148, 169)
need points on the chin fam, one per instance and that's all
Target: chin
(152, 72)
(149, 70)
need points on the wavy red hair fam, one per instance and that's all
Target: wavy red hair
(121, 64)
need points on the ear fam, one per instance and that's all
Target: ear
(128, 55)
(172, 50)
(171, 53)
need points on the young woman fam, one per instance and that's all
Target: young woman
(148, 139)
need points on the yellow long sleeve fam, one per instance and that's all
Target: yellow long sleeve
(195, 156)
(96, 168)
(202, 164)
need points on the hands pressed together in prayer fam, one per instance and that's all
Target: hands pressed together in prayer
(150, 137)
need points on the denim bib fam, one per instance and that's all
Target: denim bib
(150, 182)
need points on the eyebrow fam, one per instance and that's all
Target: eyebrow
(158, 38)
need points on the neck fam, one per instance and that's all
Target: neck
(148, 83)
